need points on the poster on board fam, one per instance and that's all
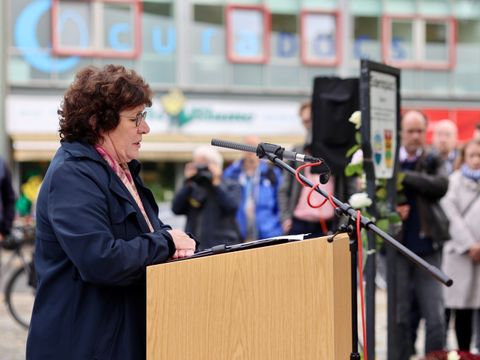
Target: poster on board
(380, 107)
(383, 122)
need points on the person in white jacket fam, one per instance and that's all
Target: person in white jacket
(461, 255)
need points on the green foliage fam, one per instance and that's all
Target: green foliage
(400, 178)
(23, 205)
(358, 138)
(381, 194)
(394, 218)
(352, 150)
(160, 193)
(354, 170)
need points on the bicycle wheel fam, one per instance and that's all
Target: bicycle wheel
(19, 296)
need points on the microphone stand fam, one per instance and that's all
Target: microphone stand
(366, 223)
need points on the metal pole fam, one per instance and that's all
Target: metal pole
(354, 355)
(371, 266)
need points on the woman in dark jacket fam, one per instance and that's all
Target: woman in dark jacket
(97, 225)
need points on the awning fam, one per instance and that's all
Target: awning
(168, 147)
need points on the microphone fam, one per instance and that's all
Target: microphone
(263, 149)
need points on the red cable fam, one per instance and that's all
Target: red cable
(323, 224)
(360, 272)
(300, 168)
(312, 189)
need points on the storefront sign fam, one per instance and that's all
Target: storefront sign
(247, 43)
(36, 114)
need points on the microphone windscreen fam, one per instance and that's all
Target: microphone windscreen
(234, 146)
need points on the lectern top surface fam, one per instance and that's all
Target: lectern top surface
(223, 248)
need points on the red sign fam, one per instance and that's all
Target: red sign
(466, 120)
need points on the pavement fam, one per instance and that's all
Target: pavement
(12, 336)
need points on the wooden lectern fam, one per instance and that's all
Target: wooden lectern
(286, 301)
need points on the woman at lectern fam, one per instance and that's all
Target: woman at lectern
(97, 225)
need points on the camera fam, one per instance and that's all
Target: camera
(203, 175)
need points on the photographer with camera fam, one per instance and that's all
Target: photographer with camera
(209, 202)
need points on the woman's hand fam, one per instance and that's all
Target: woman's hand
(286, 226)
(189, 170)
(184, 244)
(216, 173)
(474, 252)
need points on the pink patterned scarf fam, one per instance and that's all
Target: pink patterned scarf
(123, 172)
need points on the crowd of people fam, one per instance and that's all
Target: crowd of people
(441, 187)
(91, 254)
(438, 224)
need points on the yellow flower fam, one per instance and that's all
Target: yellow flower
(31, 187)
(173, 102)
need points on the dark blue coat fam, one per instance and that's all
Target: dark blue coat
(92, 247)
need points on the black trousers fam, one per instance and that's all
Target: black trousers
(304, 227)
(463, 326)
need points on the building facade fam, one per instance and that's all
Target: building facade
(229, 68)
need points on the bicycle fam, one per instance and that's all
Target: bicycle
(20, 287)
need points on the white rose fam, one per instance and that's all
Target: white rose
(360, 200)
(357, 157)
(356, 119)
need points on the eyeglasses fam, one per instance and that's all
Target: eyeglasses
(139, 117)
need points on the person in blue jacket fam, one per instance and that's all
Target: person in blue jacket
(97, 226)
(258, 216)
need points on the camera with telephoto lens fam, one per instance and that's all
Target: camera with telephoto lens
(203, 175)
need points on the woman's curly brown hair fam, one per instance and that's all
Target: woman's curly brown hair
(94, 100)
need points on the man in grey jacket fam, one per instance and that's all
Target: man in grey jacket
(424, 229)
